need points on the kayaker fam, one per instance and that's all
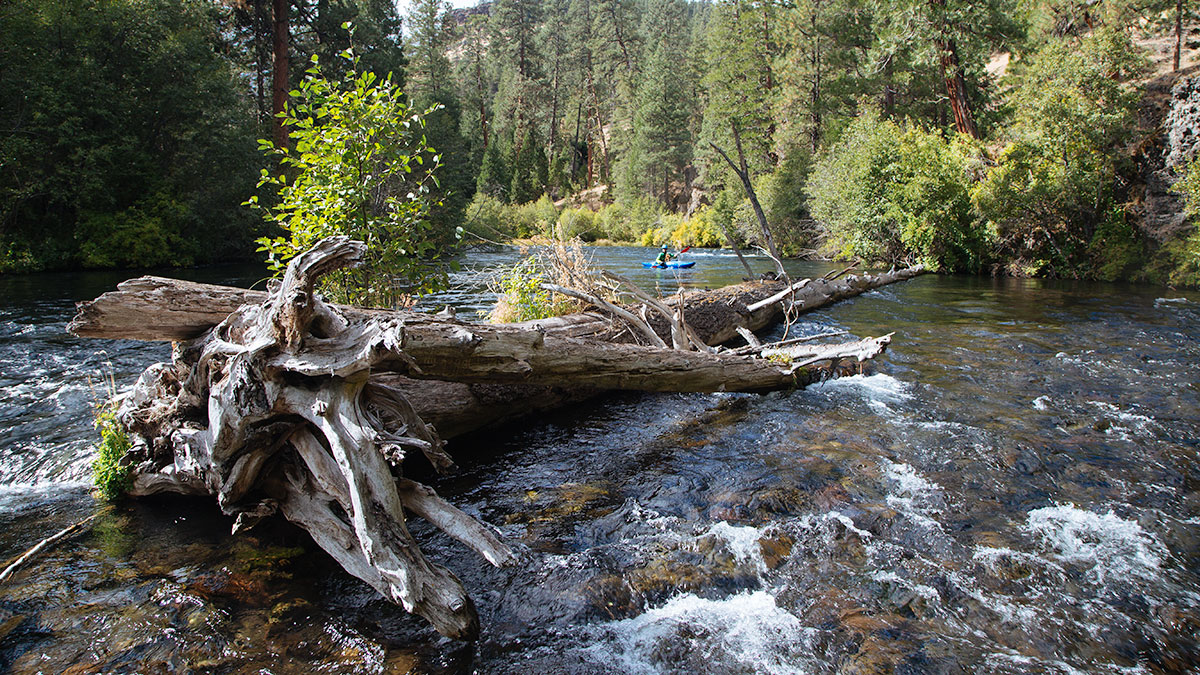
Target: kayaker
(663, 257)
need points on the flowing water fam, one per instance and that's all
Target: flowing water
(1012, 488)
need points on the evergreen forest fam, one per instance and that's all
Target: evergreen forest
(1012, 137)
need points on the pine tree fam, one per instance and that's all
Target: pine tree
(428, 72)
(559, 78)
(660, 143)
(740, 85)
(529, 170)
(823, 72)
(944, 46)
(431, 86)
(494, 176)
(475, 86)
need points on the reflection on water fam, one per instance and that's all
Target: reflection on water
(1013, 488)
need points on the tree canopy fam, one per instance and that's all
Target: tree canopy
(132, 139)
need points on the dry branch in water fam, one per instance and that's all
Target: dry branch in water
(289, 405)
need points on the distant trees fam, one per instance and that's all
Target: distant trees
(128, 128)
(658, 147)
(125, 136)
(140, 155)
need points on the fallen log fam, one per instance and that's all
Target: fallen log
(288, 405)
(455, 408)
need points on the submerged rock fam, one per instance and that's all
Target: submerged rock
(9, 622)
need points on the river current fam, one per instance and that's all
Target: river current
(1012, 488)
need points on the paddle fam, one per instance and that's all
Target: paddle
(685, 249)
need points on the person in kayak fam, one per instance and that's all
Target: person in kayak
(663, 257)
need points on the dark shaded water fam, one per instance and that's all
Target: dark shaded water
(1014, 488)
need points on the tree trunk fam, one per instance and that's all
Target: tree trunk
(737, 250)
(260, 25)
(152, 308)
(604, 159)
(475, 50)
(743, 172)
(956, 89)
(279, 79)
(889, 91)
(554, 92)
(952, 75)
(426, 348)
(814, 107)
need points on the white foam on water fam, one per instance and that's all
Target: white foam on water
(1041, 402)
(991, 557)
(16, 497)
(1006, 608)
(1125, 421)
(944, 425)
(741, 542)
(890, 577)
(909, 491)
(878, 389)
(747, 632)
(1024, 610)
(1009, 662)
(47, 463)
(1159, 302)
(1113, 547)
(847, 522)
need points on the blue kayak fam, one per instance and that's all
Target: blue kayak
(672, 263)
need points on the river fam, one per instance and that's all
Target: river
(1012, 488)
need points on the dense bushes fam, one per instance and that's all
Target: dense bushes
(1045, 201)
(639, 222)
(893, 195)
(1179, 259)
(1052, 194)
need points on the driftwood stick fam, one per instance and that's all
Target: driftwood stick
(831, 276)
(804, 355)
(679, 339)
(696, 341)
(681, 334)
(44, 544)
(423, 501)
(754, 349)
(780, 296)
(610, 307)
(750, 338)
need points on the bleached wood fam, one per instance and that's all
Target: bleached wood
(750, 338)
(625, 314)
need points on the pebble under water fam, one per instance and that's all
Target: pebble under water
(1012, 488)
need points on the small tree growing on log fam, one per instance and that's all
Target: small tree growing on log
(358, 165)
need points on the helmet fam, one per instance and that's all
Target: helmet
(664, 247)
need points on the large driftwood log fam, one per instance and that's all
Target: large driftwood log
(242, 415)
(714, 317)
(286, 405)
